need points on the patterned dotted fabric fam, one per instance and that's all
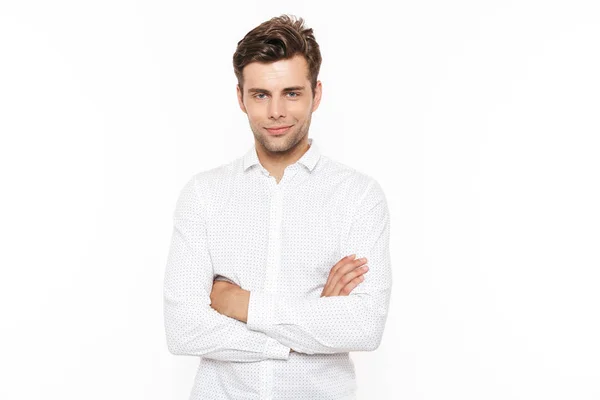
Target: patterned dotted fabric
(279, 241)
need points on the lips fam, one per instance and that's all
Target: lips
(278, 130)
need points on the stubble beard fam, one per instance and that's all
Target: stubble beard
(275, 144)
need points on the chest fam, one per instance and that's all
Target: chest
(295, 236)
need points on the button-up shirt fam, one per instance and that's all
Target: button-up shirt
(278, 240)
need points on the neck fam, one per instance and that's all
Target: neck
(276, 162)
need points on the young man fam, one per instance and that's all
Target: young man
(257, 283)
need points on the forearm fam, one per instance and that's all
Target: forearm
(337, 323)
(192, 327)
(325, 325)
(206, 333)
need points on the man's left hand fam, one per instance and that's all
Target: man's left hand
(229, 299)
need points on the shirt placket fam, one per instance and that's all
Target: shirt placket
(274, 247)
(272, 268)
(274, 256)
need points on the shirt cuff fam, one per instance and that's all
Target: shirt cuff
(260, 311)
(274, 349)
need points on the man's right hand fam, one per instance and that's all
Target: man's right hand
(345, 276)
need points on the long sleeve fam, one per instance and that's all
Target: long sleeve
(338, 323)
(192, 327)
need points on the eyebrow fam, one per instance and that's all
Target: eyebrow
(287, 89)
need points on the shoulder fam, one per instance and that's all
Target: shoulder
(202, 185)
(349, 179)
(210, 180)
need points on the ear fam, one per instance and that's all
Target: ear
(240, 99)
(317, 96)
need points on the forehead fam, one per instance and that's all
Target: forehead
(282, 73)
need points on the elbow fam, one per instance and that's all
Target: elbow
(176, 347)
(373, 341)
(365, 341)
(186, 333)
(175, 333)
(176, 344)
(194, 337)
(185, 340)
(180, 346)
(368, 338)
(373, 329)
(374, 310)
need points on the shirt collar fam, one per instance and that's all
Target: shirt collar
(309, 159)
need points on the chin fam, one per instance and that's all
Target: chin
(277, 144)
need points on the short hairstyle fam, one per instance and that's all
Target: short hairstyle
(279, 38)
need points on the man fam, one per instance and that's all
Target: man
(256, 282)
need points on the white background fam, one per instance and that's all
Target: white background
(478, 118)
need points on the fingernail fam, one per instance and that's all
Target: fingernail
(352, 256)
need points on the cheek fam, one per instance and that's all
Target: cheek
(257, 107)
(299, 111)
(255, 114)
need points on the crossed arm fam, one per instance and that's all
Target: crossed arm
(229, 299)
(223, 321)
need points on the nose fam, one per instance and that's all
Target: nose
(276, 108)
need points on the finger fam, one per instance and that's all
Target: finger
(350, 286)
(347, 267)
(333, 286)
(349, 276)
(350, 265)
(336, 266)
(342, 267)
(343, 262)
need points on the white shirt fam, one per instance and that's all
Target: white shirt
(279, 241)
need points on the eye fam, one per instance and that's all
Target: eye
(295, 94)
(256, 96)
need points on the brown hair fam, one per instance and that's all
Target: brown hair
(279, 38)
